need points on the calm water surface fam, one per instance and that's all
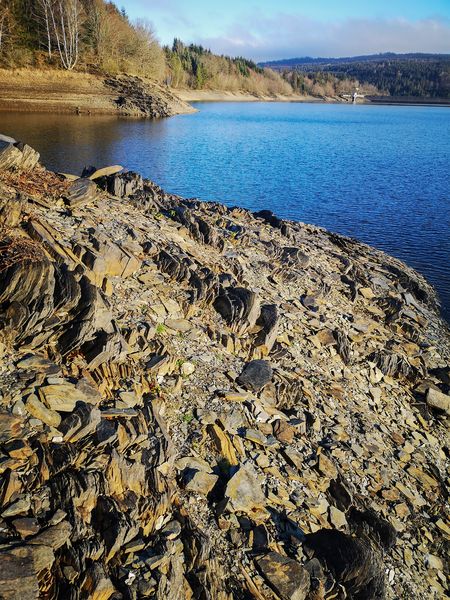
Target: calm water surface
(378, 173)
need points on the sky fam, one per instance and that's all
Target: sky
(275, 29)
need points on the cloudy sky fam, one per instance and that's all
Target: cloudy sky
(272, 29)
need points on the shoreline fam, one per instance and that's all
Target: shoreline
(62, 92)
(239, 96)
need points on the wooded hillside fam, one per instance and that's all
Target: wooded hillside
(417, 75)
(94, 35)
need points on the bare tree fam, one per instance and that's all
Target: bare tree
(66, 21)
(45, 9)
(4, 20)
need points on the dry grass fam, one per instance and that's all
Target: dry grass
(16, 249)
(25, 75)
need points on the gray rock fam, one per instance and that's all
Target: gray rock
(256, 374)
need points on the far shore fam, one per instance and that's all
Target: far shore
(189, 95)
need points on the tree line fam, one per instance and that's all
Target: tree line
(419, 75)
(97, 36)
(410, 77)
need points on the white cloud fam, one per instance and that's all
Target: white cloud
(289, 35)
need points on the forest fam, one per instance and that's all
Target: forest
(418, 75)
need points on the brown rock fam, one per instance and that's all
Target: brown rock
(38, 410)
(199, 481)
(327, 467)
(26, 527)
(285, 576)
(19, 571)
(283, 431)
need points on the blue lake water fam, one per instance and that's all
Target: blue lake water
(377, 173)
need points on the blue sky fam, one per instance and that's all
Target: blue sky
(286, 28)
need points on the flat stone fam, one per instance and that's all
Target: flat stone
(283, 431)
(337, 518)
(26, 526)
(192, 462)
(19, 507)
(199, 481)
(181, 325)
(19, 571)
(62, 397)
(54, 537)
(244, 492)
(434, 562)
(39, 411)
(327, 467)
(286, 576)
(105, 171)
(7, 138)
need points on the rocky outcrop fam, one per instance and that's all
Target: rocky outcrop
(134, 96)
(198, 402)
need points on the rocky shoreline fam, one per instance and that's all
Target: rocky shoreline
(201, 402)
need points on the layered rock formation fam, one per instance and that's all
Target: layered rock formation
(199, 402)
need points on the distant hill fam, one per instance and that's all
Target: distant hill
(385, 56)
(415, 74)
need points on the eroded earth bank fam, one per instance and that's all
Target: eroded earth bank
(201, 402)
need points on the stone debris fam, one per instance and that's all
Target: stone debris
(202, 402)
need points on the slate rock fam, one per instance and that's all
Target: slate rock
(121, 185)
(81, 192)
(256, 374)
(17, 156)
(20, 567)
(285, 576)
(354, 562)
(199, 481)
(244, 492)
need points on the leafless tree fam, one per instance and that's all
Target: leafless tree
(66, 21)
(45, 10)
(4, 19)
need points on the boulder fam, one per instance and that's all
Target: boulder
(256, 374)
(81, 192)
(354, 562)
(239, 307)
(121, 185)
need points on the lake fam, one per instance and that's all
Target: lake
(377, 173)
